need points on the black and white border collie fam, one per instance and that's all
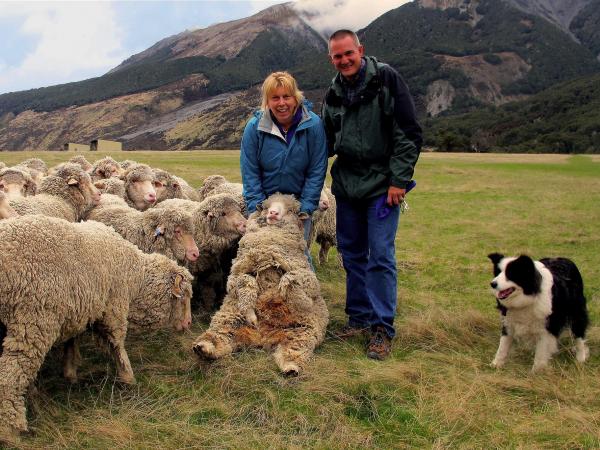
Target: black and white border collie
(537, 300)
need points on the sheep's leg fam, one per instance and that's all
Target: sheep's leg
(23, 355)
(114, 335)
(294, 353)
(71, 360)
(324, 252)
(245, 289)
(221, 337)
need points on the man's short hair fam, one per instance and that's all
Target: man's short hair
(339, 34)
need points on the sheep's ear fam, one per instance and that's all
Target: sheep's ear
(177, 290)
(100, 184)
(303, 216)
(72, 181)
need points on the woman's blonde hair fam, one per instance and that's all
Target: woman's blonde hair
(277, 80)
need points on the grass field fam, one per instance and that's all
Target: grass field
(436, 391)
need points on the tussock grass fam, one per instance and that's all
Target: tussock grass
(437, 390)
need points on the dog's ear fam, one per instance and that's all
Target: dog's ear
(496, 258)
(523, 272)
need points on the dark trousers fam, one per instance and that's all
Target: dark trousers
(367, 245)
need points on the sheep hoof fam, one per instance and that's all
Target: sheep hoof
(205, 350)
(126, 379)
(290, 370)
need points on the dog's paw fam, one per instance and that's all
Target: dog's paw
(205, 350)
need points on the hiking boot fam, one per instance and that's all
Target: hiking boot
(349, 331)
(380, 344)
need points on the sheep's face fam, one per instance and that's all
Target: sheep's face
(83, 183)
(281, 209)
(16, 183)
(142, 193)
(225, 219)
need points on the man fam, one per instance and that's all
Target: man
(369, 119)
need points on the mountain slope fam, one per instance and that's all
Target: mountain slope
(562, 119)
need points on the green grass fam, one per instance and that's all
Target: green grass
(436, 391)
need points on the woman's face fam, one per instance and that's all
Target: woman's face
(283, 105)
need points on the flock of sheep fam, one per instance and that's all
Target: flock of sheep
(122, 247)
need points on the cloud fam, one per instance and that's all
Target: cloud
(326, 16)
(71, 41)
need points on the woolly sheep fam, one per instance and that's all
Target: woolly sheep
(218, 225)
(67, 195)
(139, 187)
(218, 184)
(36, 168)
(273, 297)
(127, 164)
(77, 159)
(5, 209)
(166, 186)
(169, 230)
(189, 192)
(114, 186)
(106, 167)
(2, 165)
(16, 183)
(58, 279)
(323, 225)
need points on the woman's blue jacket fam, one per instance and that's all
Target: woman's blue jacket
(269, 164)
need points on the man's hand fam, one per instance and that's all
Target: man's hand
(395, 195)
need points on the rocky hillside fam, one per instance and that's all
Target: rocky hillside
(197, 89)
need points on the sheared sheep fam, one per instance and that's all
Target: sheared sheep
(323, 225)
(218, 184)
(218, 225)
(189, 192)
(166, 186)
(16, 183)
(58, 279)
(139, 187)
(168, 230)
(114, 186)
(273, 297)
(5, 210)
(68, 195)
(36, 168)
(105, 168)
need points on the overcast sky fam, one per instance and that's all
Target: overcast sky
(52, 42)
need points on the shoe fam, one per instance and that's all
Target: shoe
(348, 331)
(380, 345)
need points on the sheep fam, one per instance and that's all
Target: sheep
(58, 279)
(77, 159)
(323, 225)
(139, 187)
(273, 297)
(166, 186)
(218, 225)
(36, 168)
(168, 230)
(114, 186)
(2, 165)
(106, 167)
(127, 164)
(5, 209)
(67, 195)
(217, 184)
(189, 192)
(16, 183)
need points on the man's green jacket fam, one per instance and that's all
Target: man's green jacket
(376, 138)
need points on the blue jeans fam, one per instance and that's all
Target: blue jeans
(307, 227)
(367, 245)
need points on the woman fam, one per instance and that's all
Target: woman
(283, 148)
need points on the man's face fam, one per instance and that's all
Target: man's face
(345, 55)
